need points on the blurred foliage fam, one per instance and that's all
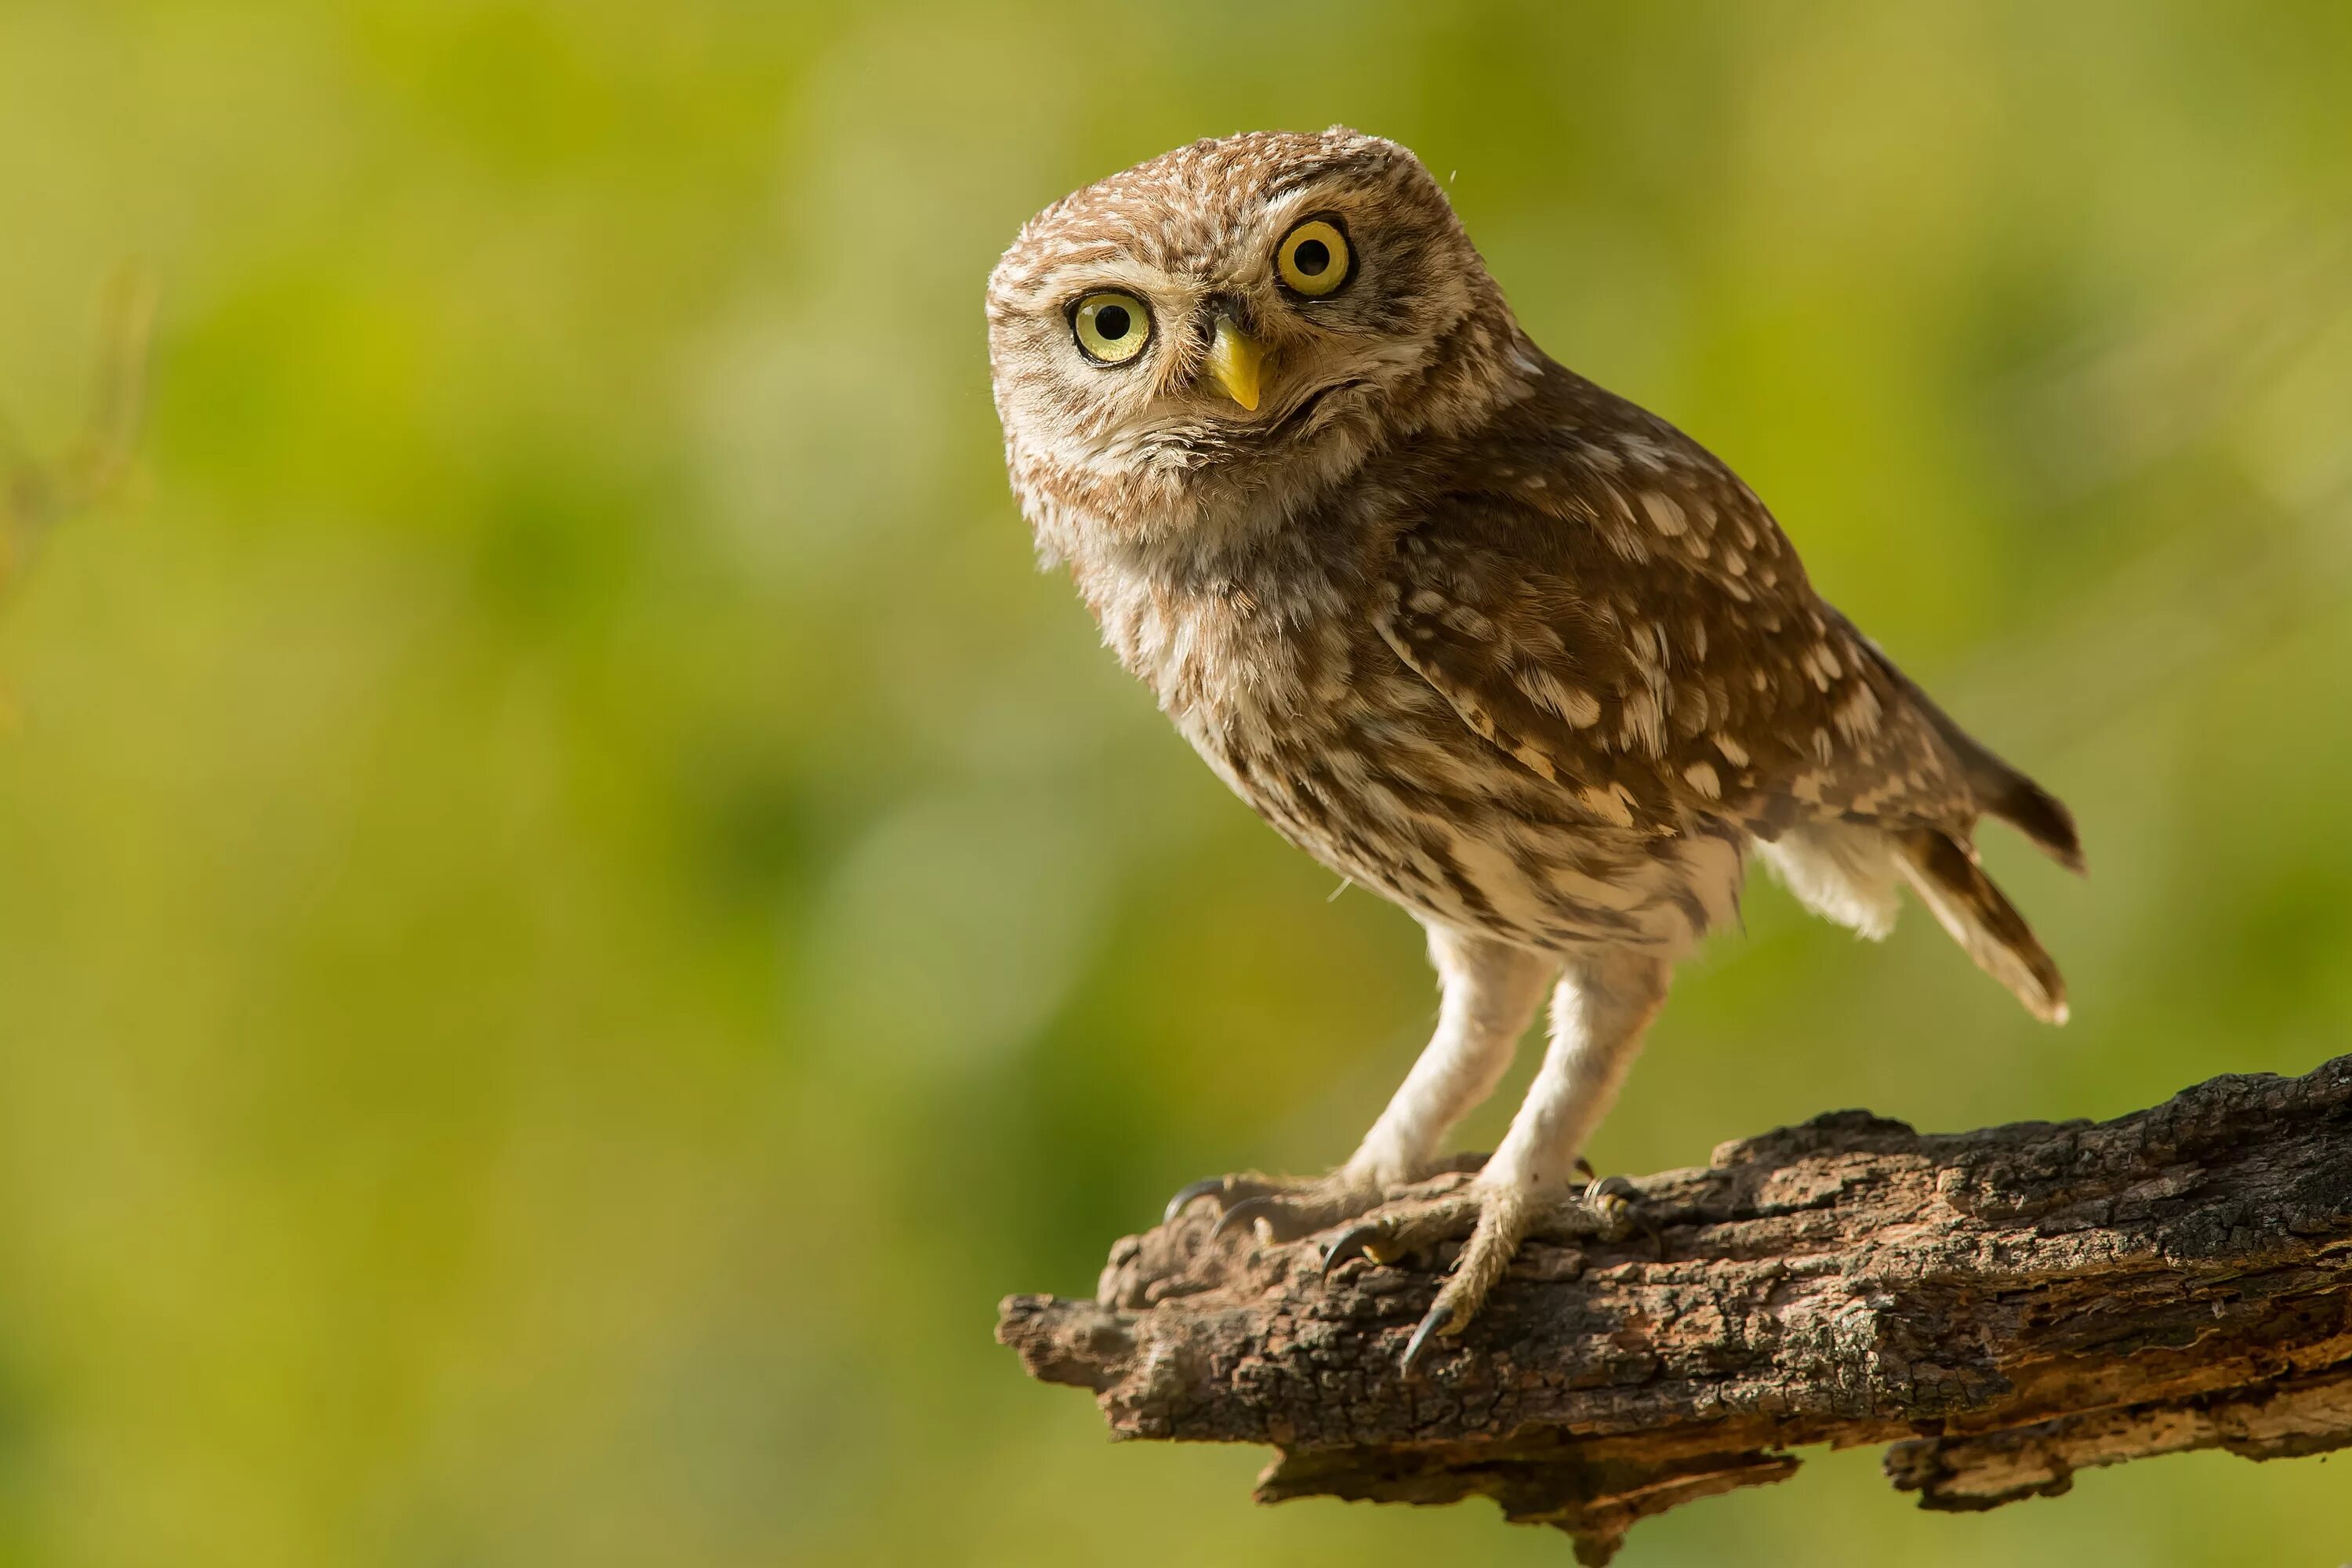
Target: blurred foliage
(573, 911)
(35, 496)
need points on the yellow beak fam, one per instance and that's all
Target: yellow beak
(1234, 359)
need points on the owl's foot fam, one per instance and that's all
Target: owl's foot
(1295, 1207)
(1611, 1201)
(1495, 1221)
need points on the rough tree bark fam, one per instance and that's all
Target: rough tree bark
(2003, 1307)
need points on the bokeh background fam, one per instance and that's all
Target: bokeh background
(573, 910)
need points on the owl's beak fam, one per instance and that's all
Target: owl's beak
(1232, 363)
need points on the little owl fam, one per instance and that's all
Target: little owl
(1470, 631)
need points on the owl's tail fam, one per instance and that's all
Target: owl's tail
(1948, 881)
(2000, 790)
(2007, 794)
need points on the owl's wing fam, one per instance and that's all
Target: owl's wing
(1602, 598)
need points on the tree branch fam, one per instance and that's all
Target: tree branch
(2003, 1308)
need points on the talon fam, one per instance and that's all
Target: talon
(1439, 1321)
(1613, 1200)
(1187, 1192)
(1602, 1187)
(1583, 1167)
(1241, 1214)
(1352, 1243)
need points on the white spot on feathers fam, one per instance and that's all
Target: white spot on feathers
(1857, 717)
(1610, 804)
(1580, 708)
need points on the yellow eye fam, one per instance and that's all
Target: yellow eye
(1111, 328)
(1313, 259)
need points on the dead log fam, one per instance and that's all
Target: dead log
(2001, 1308)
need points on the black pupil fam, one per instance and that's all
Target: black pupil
(1111, 322)
(1311, 257)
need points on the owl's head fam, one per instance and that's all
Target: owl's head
(1225, 332)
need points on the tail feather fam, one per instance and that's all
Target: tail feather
(2008, 794)
(2000, 790)
(1982, 920)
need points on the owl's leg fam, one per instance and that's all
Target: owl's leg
(1600, 1012)
(1491, 991)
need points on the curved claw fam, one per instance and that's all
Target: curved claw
(1616, 1201)
(1242, 1213)
(1187, 1192)
(1352, 1243)
(1439, 1321)
(1602, 1187)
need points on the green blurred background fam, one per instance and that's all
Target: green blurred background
(573, 911)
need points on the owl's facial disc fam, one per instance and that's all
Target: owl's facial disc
(1220, 332)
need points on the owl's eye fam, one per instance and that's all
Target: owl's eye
(1313, 260)
(1112, 328)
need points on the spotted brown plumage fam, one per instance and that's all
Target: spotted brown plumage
(1477, 635)
(1601, 599)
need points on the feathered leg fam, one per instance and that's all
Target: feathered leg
(1600, 1012)
(1491, 995)
(1491, 991)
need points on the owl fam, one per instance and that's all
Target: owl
(1475, 634)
